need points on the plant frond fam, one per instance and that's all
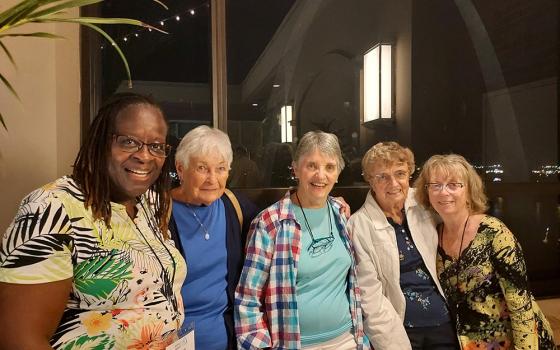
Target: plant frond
(18, 15)
(3, 123)
(9, 86)
(8, 54)
(35, 34)
(96, 20)
(105, 35)
(161, 4)
(65, 5)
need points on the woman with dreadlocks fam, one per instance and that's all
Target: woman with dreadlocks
(87, 261)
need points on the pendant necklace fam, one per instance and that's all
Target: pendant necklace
(458, 265)
(206, 233)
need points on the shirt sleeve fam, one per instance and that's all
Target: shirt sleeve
(512, 276)
(382, 324)
(36, 247)
(250, 319)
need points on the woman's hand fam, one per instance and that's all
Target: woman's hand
(344, 206)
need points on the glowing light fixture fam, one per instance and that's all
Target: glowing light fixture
(378, 83)
(286, 123)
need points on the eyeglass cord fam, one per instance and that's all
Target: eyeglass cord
(313, 240)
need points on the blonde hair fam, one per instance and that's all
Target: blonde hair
(387, 153)
(452, 165)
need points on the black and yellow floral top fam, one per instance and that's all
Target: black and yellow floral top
(487, 290)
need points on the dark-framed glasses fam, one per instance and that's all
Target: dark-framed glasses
(450, 187)
(132, 145)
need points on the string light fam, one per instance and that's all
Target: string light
(162, 22)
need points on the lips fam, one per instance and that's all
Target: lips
(138, 172)
(317, 184)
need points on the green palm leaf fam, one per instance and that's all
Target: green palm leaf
(8, 54)
(9, 86)
(35, 35)
(43, 11)
(99, 276)
(65, 5)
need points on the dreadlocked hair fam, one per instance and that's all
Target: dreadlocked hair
(91, 170)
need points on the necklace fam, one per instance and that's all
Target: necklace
(168, 284)
(206, 233)
(459, 268)
(321, 245)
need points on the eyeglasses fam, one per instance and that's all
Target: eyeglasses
(385, 178)
(320, 246)
(451, 187)
(132, 145)
(205, 170)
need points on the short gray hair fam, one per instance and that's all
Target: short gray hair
(204, 140)
(323, 141)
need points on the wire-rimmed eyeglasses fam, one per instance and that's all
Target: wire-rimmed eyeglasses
(132, 145)
(450, 187)
(385, 178)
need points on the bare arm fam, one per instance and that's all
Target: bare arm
(31, 313)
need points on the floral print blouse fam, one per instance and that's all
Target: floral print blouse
(126, 279)
(487, 289)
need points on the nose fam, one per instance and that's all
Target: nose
(143, 153)
(321, 171)
(212, 175)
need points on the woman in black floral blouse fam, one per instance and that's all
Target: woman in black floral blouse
(480, 263)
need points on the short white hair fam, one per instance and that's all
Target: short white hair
(202, 141)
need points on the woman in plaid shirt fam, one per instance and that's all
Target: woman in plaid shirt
(298, 286)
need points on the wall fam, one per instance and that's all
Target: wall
(44, 128)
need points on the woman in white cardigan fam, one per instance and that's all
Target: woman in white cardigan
(396, 241)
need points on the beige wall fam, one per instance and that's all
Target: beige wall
(44, 128)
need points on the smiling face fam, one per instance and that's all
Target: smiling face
(389, 183)
(204, 180)
(317, 173)
(445, 201)
(131, 174)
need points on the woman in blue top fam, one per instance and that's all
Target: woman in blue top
(206, 227)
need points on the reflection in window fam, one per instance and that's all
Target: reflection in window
(286, 123)
(378, 87)
(478, 78)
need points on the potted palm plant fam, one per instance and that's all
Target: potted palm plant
(49, 11)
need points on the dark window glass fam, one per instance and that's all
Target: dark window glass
(174, 68)
(478, 78)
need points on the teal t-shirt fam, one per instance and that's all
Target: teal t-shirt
(322, 280)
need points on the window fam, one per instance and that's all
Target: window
(478, 78)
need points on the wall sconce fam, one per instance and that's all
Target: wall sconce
(378, 83)
(286, 123)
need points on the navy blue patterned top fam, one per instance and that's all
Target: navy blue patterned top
(425, 307)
